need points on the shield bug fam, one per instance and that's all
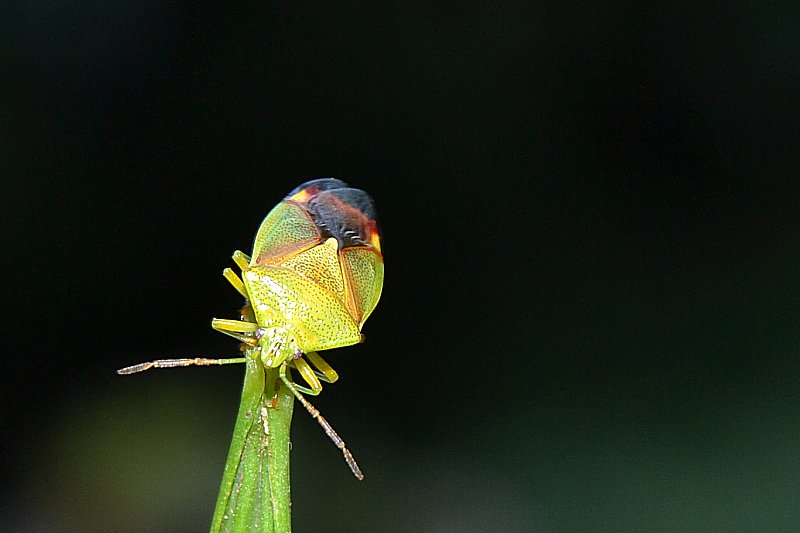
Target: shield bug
(314, 277)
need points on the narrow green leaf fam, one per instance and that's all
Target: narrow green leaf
(255, 493)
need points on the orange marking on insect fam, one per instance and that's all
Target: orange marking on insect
(300, 196)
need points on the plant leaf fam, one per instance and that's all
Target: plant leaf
(254, 494)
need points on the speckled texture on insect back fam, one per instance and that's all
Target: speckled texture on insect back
(317, 268)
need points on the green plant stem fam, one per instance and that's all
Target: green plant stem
(255, 493)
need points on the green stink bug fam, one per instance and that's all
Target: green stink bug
(314, 277)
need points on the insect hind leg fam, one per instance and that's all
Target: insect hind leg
(235, 280)
(241, 259)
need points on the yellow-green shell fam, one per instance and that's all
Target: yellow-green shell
(304, 277)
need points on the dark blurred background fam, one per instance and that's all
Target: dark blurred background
(590, 218)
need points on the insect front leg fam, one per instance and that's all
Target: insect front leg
(308, 375)
(238, 329)
(326, 372)
(285, 362)
(313, 377)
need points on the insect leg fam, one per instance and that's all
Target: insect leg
(172, 363)
(237, 329)
(241, 260)
(235, 280)
(309, 375)
(326, 373)
(326, 427)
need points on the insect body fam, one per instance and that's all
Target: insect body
(314, 277)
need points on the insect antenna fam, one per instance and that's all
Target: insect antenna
(173, 363)
(326, 426)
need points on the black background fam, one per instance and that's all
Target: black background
(590, 224)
